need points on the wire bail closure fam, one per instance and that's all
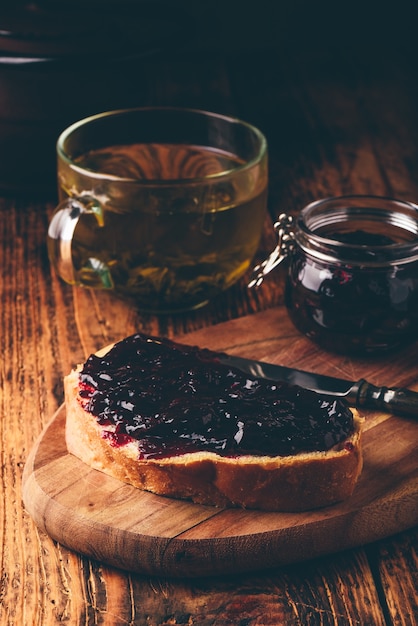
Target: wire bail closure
(285, 243)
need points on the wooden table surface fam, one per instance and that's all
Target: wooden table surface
(345, 122)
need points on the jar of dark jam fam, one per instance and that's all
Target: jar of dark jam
(352, 279)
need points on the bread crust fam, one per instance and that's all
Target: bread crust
(283, 483)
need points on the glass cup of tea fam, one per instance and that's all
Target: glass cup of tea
(164, 206)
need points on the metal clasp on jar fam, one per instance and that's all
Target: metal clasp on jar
(285, 242)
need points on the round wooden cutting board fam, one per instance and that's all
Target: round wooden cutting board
(107, 520)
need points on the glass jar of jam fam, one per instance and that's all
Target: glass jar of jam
(352, 279)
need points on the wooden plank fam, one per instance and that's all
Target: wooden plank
(335, 590)
(395, 564)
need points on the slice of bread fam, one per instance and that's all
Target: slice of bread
(292, 482)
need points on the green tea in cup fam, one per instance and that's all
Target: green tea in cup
(164, 206)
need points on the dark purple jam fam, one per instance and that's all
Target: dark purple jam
(362, 238)
(176, 399)
(351, 308)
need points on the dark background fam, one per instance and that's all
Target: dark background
(304, 24)
(102, 59)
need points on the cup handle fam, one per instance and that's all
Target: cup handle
(60, 237)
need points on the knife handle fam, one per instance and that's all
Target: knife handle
(393, 400)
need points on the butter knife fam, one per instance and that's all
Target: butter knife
(360, 393)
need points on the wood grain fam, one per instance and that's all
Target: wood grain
(127, 528)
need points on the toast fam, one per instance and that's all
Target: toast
(160, 456)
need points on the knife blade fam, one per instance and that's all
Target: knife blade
(360, 393)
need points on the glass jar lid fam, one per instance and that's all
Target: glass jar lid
(360, 230)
